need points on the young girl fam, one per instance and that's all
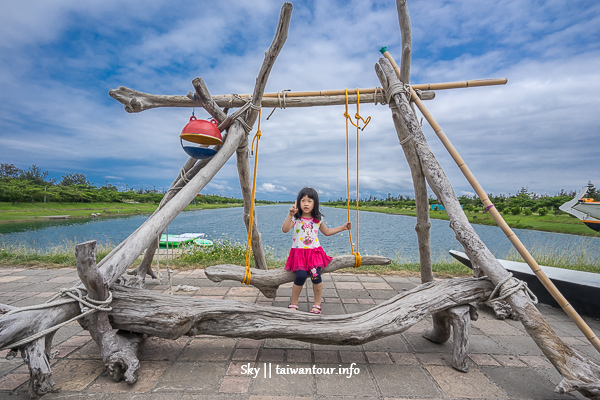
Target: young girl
(307, 257)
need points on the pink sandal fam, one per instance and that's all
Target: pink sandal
(316, 309)
(293, 307)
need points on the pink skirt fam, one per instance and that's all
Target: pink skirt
(305, 259)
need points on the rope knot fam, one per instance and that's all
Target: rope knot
(507, 287)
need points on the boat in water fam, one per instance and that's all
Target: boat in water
(183, 240)
(586, 209)
(580, 288)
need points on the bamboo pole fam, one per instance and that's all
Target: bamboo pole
(541, 275)
(340, 92)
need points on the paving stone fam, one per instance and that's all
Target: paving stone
(400, 380)
(348, 357)
(378, 357)
(299, 355)
(276, 384)
(249, 343)
(326, 357)
(349, 285)
(353, 294)
(389, 343)
(89, 351)
(496, 328)
(382, 294)
(10, 278)
(286, 344)
(235, 384)
(148, 375)
(13, 381)
(8, 365)
(523, 383)
(158, 349)
(473, 384)
(76, 375)
(355, 308)
(405, 358)
(485, 345)
(435, 358)
(245, 354)
(201, 378)
(509, 361)
(208, 349)
(421, 345)
(235, 367)
(519, 345)
(358, 384)
(484, 360)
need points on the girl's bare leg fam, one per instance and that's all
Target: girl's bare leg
(318, 289)
(296, 290)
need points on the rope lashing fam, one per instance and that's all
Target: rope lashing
(280, 95)
(397, 88)
(356, 254)
(379, 91)
(509, 286)
(248, 273)
(87, 306)
(488, 208)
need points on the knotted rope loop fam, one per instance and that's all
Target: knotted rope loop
(282, 105)
(87, 306)
(509, 286)
(357, 259)
(488, 208)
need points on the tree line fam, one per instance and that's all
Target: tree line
(523, 202)
(32, 185)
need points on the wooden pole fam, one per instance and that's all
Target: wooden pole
(560, 299)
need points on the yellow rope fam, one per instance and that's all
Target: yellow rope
(248, 273)
(357, 262)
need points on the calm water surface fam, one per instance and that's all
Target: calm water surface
(392, 236)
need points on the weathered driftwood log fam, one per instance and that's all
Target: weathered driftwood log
(119, 352)
(579, 372)
(168, 316)
(136, 101)
(457, 320)
(36, 355)
(269, 281)
(423, 226)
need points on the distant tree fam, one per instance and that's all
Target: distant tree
(35, 175)
(73, 179)
(9, 171)
(592, 191)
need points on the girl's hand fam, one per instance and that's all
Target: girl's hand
(293, 210)
(347, 226)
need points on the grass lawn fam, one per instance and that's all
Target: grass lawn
(561, 223)
(39, 211)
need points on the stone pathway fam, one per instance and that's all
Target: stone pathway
(504, 361)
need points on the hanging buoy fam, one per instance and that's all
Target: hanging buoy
(203, 132)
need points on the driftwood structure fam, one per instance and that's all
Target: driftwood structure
(119, 313)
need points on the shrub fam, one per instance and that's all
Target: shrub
(542, 211)
(515, 210)
(527, 211)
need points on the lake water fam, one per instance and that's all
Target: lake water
(387, 235)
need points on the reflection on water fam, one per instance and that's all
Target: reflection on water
(387, 235)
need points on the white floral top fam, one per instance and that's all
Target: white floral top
(305, 232)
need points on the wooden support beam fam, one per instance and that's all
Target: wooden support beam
(136, 101)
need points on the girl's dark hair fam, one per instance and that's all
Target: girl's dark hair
(312, 194)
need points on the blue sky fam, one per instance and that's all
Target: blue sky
(59, 59)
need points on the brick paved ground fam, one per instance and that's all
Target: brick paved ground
(504, 361)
